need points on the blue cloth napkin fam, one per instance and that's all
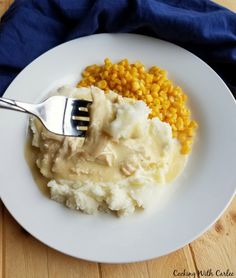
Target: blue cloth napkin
(31, 27)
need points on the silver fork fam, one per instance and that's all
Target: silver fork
(59, 114)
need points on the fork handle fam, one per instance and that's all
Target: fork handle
(11, 104)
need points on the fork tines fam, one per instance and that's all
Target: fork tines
(80, 116)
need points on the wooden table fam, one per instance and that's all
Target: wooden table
(23, 256)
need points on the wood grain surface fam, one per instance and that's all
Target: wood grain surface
(211, 255)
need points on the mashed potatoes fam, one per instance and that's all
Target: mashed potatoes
(123, 163)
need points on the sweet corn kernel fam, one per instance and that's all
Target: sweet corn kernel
(91, 79)
(107, 61)
(190, 132)
(114, 76)
(135, 85)
(182, 137)
(139, 92)
(180, 123)
(193, 124)
(185, 149)
(102, 84)
(149, 99)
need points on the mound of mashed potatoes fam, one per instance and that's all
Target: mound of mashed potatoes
(121, 166)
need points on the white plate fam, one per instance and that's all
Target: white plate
(201, 193)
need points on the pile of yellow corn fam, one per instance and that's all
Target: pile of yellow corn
(167, 101)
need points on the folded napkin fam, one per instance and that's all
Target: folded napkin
(30, 28)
